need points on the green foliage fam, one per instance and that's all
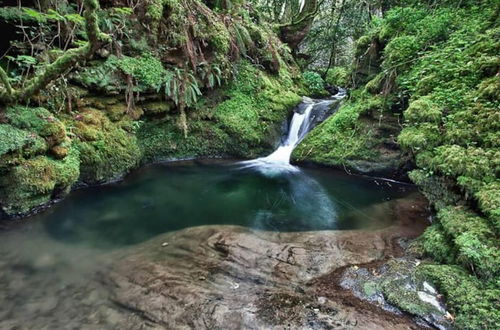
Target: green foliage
(147, 69)
(182, 87)
(106, 150)
(38, 121)
(313, 82)
(441, 63)
(256, 104)
(475, 241)
(438, 244)
(423, 110)
(474, 303)
(327, 143)
(35, 181)
(11, 139)
(161, 140)
(400, 51)
(337, 76)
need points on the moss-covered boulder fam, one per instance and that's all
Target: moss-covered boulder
(107, 151)
(360, 136)
(36, 181)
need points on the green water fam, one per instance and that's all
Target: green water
(53, 266)
(173, 196)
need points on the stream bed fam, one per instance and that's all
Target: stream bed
(212, 244)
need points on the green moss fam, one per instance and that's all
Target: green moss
(488, 198)
(475, 241)
(337, 76)
(370, 288)
(475, 304)
(314, 83)
(438, 190)
(36, 181)
(326, 143)
(400, 51)
(438, 244)
(106, 150)
(12, 139)
(423, 110)
(146, 69)
(396, 293)
(162, 140)
(422, 137)
(375, 85)
(350, 137)
(157, 107)
(39, 121)
(116, 112)
(255, 107)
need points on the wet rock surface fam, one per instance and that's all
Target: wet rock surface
(207, 277)
(232, 277)
(395, 286)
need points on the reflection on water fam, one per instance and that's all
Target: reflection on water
(51, 268)
(170, 197)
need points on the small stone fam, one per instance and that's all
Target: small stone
(316, 310)
(321, 300)
(164, 244)
(45, 261)
(202, 278)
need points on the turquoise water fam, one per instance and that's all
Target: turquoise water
(173, 196)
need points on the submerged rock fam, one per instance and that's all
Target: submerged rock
(232, 277)
(396, 286)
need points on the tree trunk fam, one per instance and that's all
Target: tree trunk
(294, 32)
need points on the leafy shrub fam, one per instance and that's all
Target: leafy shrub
(337, 76)
(147, 69)
(313, 82)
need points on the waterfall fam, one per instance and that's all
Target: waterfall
(299, 126)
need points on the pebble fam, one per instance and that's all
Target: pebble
(164, 244)
(45, 261)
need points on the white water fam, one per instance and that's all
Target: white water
(300, 125)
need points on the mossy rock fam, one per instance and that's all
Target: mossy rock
(116, 112)
(423, 110)
(34, 182)
(474, 304)
(106, 150)
(156, 107)
(38, 121)
(163, 140)
(255, 107)
(12, 139)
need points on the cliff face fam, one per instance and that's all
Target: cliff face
(426, 87)
(180, 79)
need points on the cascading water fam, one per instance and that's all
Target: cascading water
(300, 125)
(308, 199)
